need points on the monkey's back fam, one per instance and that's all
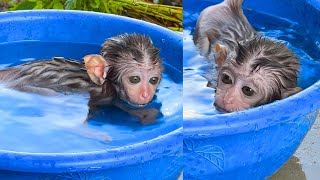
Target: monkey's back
(57, 75)
(225, 24)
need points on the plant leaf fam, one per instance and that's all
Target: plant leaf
(58, 5)
(26, 5)
(70, 4)
(39, 5)
(95, 4)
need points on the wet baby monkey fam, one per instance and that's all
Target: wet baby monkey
(129, 68)
(253, 70)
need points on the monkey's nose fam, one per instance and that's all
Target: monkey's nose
(229, 100)
(145, 96)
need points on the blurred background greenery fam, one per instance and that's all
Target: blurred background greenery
(166, 13)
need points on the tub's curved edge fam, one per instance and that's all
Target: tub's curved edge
(166, 145)
(314, 3)
(176, 36)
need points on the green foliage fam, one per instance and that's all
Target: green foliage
(37, 4)
(70, 4)
(56, 4)
(167, 16)
(25, 5)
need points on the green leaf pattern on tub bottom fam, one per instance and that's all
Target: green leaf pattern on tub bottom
(211, 153)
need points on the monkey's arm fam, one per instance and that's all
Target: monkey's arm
(86, 131)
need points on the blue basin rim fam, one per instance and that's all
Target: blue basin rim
(300, 104)
(91, 161)
(164, 145)
(10, 19)
(23, 15)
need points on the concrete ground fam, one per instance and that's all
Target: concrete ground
(305, 163)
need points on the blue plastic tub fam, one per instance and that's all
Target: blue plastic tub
(159, 157)
(255, 143)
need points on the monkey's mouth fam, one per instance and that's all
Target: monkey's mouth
(137, 105)
(128, 101)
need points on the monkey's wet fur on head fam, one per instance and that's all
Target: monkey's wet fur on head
(253, 70)
(263, 71)
(135, 67)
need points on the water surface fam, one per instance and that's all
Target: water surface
(56, 124)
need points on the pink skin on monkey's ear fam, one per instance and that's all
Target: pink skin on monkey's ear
(97, 68)
(221, 54)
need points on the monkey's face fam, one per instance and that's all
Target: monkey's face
(263, 70)
(135, 67)
(236, 91)
(140, 85)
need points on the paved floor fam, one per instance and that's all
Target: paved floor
(305, 163)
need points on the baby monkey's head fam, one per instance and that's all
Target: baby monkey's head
(264, 70)
(131, 64)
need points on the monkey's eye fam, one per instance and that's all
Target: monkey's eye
(154, 80)
(134, 79)
(226, 79)
(247, 91)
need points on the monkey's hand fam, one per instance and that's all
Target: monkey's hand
(96, 134)
(90, 133)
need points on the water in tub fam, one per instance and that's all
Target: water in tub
(55, 124)
(198, 71)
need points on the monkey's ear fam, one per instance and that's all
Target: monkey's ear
(291, 91)
(97, 68)
(221, 54)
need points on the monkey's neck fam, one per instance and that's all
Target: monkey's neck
(103, 94)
